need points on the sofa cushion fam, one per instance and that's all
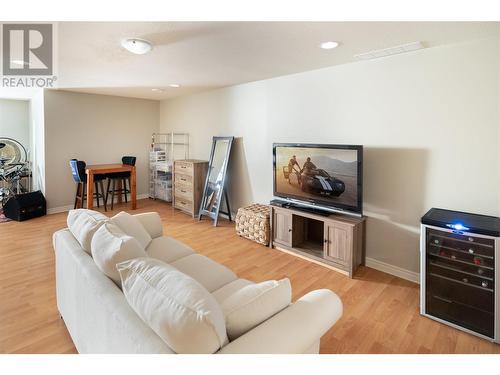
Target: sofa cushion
(180, 310)
(168, 249)
(208, 273)
(83, 224)
(131, 226)
(253, 304)
(111, 246)
(228, 289)
(151, 221)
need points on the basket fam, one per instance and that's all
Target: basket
(253, 222)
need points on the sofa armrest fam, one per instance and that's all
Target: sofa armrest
(294, 330)
(151, 221)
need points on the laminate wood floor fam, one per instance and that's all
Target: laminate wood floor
(381, 313)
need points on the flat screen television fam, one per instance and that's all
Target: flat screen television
(323, 176)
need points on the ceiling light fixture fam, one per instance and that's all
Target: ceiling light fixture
(329, 45)
(174, 85)
(137, 46)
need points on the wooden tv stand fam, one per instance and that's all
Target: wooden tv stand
(335, 241)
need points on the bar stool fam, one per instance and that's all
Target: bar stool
(80, 177)
(117, 177)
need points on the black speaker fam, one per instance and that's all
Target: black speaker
(25, 206)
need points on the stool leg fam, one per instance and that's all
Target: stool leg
(125, 189)
(96, 193)
(107, 190)
(76, 195)
(84, 194)
(102, 195)
(112, 194)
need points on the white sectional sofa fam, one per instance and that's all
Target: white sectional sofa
(100, 319)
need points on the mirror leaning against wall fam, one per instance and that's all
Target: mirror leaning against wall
(215, 190)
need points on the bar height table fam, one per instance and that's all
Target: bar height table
(92, 170)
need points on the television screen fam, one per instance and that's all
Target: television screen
(328, 175)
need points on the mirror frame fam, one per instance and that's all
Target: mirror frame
(214, 215)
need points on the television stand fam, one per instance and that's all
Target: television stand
(335, 241)
(298, 207)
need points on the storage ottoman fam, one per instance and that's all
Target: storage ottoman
(253, 222)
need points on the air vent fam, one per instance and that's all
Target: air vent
(390, 51)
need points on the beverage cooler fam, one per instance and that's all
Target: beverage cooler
(459, 283)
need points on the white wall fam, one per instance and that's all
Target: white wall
(98, 129)
(429, 122)
(36, 130)
(38, 139)
(15, 120)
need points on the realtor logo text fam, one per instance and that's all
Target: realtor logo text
(27, 55)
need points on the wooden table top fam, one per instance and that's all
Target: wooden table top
(108, 168)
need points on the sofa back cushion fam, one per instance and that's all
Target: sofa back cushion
(83, 224)
(254, 304)
(131, 226)
(179, 309)
(151, 221)
(111, 246)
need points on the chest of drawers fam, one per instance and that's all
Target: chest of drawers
(189, 181)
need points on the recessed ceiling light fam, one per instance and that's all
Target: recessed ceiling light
(137, 46)
(157, 90)
(174, 85)
(329, 45)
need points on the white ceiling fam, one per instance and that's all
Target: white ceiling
(207, 55)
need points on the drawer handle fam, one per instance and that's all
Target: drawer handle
(471, 239)
(471, 251)
(183, 191)
(484, 284)
(183, 179)
(465, 280)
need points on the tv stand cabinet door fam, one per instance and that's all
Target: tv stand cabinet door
(282, 227)
(339, 241)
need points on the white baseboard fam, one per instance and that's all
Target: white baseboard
(393, 270)
(56, 210)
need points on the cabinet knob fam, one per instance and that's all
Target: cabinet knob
(471, 251)
(289, 230)
(465, 280)
(484, 284)
(326, 240)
